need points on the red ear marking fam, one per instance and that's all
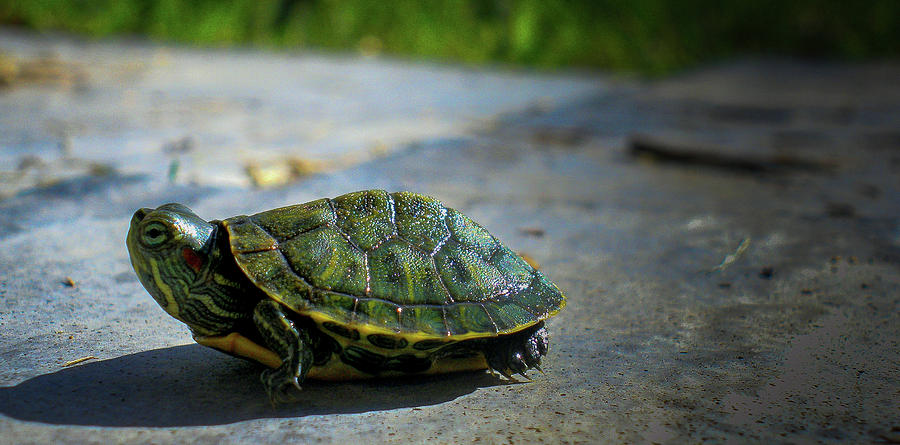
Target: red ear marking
(192, 259)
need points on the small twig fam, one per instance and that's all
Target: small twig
(732, 257)
(78, 360)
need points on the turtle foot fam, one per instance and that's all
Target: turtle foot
(281, 385)
(519, 352)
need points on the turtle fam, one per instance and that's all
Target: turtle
(367, 284)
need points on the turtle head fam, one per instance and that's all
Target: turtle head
(170, 249)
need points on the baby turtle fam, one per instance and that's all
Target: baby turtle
(366, 284)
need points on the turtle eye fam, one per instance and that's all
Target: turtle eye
(155, 234)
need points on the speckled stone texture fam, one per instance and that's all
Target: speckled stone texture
(728, 239)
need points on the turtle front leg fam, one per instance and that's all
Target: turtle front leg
(291, 344)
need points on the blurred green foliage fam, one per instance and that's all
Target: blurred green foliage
(647, 36)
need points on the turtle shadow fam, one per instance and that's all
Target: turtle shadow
(191, 385)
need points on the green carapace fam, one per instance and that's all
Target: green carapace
(363, 285)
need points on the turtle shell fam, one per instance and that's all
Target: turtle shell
(398, 263)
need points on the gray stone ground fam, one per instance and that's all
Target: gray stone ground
(729, 241)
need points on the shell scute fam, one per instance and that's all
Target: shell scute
(542, 298)
(272, 274)
(247, 236)
(287, 222)
(518, 273)
(366, 217)
(327, 260)
(380, 313)
(404, 275)
(504, 321)
(420, 220)
(470, 234)
(510, 313)
(469, 317)
(335, 306)
(466, 275)
(425, 319)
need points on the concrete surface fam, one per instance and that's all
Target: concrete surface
(737, 281)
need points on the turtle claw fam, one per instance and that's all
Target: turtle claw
(280, 385)
(508, 376)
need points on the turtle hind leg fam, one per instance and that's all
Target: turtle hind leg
(292, 345)
(518, 352)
